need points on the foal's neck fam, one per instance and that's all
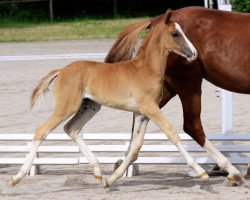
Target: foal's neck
(152, 53)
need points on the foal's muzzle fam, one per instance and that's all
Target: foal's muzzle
(189, 54)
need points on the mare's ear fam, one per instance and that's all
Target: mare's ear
(168, 16)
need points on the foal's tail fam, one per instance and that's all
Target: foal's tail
(42, 87)
(126, 43)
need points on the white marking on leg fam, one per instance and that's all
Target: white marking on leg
(28, 161)
(133, 153)
(93, 161)
(154, 113)
(137, 129)
(190, 160)
(190, 45)
(220, 159)
(87, 110)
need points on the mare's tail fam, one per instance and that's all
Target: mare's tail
(126, 43)
(42, 87)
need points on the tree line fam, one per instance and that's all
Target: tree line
(68, 9)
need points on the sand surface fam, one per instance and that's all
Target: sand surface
(18, 78)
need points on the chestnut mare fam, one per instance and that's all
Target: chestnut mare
(222, 41)
(132, 85)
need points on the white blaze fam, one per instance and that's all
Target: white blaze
(190, 45)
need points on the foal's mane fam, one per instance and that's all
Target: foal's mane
(126, 43)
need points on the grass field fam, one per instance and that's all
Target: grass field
(71, 30)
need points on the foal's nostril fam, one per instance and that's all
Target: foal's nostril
(188, 53)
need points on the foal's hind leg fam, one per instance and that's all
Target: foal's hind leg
(137, 130)
(132, 154)
(41, 132)
(87, 110)
(66, 105)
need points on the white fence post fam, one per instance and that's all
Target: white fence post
(226, 111)
(205, 3)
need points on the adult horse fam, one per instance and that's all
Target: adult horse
(222, 40)
(132, 85)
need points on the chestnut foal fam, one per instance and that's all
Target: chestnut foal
(134, 86)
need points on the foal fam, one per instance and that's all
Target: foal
(134, 86)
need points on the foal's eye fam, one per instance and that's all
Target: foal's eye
(175, 34)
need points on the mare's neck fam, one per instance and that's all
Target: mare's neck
(152, 53)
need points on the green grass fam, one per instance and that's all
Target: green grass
(69, 30)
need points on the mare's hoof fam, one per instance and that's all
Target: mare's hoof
(118, 163)
(235, 180)
(204, 175)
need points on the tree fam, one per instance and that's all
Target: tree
(241, 5)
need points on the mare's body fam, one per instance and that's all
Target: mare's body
(222, 40)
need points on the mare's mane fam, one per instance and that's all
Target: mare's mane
(126, 43)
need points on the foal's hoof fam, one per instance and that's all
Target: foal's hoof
(235, 180)
(204, 175)
(13, 181)
(105, 183)
(118, 163)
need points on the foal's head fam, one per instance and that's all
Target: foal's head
(174, 39)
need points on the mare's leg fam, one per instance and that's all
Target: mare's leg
(65, 106)
(191, 104)
(87, 110)
(132, 154)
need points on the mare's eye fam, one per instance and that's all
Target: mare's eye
(175, 34)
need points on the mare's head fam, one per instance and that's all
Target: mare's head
(174, 39)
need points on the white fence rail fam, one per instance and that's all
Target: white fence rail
(155, 150)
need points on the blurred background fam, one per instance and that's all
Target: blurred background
(44, 20)
(39, 10)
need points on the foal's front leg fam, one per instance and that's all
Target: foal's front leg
(87, 110)
(154, 113)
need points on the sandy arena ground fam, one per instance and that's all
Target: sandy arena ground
(18, 78)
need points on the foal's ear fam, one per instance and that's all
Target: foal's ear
(168, 16)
